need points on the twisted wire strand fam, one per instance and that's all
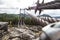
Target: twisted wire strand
(39, 21)
(50, 20)
(43, 21)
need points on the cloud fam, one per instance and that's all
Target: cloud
(9, 11)
(10, 4)
(1, 2)
(20, 3)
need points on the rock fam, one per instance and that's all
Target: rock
(24, 33)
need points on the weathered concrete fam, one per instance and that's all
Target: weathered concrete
(3, 29)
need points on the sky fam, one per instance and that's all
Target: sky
(13, 6)
(19, 3)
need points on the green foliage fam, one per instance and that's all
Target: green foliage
(14, 19)
(30, 21)
(9, 17)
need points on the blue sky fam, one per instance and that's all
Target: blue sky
(13, 6)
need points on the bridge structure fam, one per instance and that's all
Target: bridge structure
(21, 19)
(41, 21)
(42, 6)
